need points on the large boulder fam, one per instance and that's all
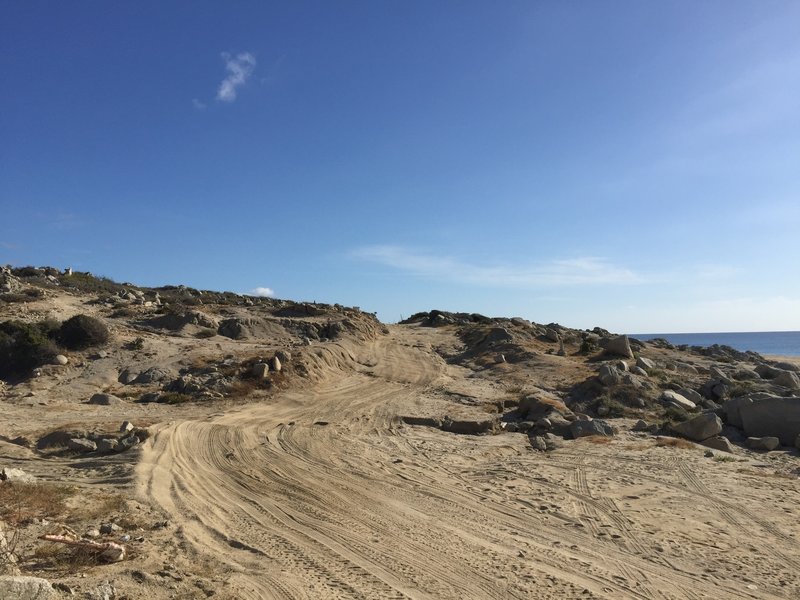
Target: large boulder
(104, 399)
(25, 588)
(619, 346)
(763, 415)
(645, 363)
(675, 399)
(18, 475)
(581, 428)
(700, 427)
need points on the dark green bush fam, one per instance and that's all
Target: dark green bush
(82, 331)
(25, 346)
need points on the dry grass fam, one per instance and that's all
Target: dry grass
(23, 502)
(668, 442)
(101, 505)
(762, 473)
(599, 439)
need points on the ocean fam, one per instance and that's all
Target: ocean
(786, 343)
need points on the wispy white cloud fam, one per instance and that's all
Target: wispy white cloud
(577, 271)
(239, 68)
(263, 292)
(198, 104)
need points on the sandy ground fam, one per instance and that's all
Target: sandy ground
(328, 495)
(322, 490)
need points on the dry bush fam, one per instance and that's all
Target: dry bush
(82, 331)
(668, 442)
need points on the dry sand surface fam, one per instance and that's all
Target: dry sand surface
(321, 490)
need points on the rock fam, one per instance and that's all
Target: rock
(92, 533)
(645, 363)
(672, 397)
(126, 427)
(275, 365)
(767, 443)
(107, 444)
(60, 359)
(544, 424)
(640, 425)
(104, 591)
(639, 371)
(284, 356)
(621, 365)
(766, 415)
(581, 429)
(127, 376)
(108, 528)
(719, 375)
(700, 427)
(260, 370)
(718, 443)
(561, 350)
(16, 475)
(127, 443)
(552, 335)
(797, 442)
(81, 445)
(104, 399)
(691, 395)
(25, 588)
(609, 375)
(787, 379)
(603, 410)
(538, 443)
(154, 375)
(619, 346)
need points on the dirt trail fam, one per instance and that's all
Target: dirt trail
(325, 493)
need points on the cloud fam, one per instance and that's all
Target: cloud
(578, 271)
(198, 104)
(263, 292)
(239, 69)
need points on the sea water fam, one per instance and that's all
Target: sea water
(786, 343)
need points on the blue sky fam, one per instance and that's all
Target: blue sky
(632, 165)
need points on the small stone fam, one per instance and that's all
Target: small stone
(107, 528)
(126, 427)
(104, 400)
(276, 363)
(92, 533)
(107, 444)
(60, 359)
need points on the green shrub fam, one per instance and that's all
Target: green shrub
(82, 331)
(25, 346)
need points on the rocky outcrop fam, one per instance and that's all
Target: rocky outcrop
(25, 588)
(719, 442)
(767, 443)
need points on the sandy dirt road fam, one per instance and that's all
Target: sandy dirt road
(326, 493)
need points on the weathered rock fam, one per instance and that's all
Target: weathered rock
(639, 371)
(25, 588)
(581, 429)
(640, 425)
(154, 375)
(60, 359)
(107, 444)
(645, 363)
(105, 399)
(797, 442)
(552, 335)
(718, 442)
(126, 427)
(104, 591)
(609, 375)
(674, 398)
(538, 443)
(260, 370)
(621, 365)
(127, 376)
(275, 364)
(16, 475)
(766, 415)
(767, 443)
(81, 445)
(691, 395)
(619, 345)
(700, 427)
(284, 356)
(127, 443)
(787, 379)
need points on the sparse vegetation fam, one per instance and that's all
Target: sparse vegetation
(205, 333)
(669, 442)
(28, 295)
(135, 344)
(81, 332)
